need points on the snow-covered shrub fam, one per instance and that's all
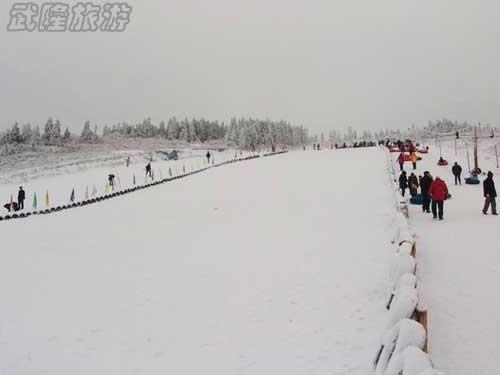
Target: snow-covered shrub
(412, 361)
(403, 305)
(404, 334)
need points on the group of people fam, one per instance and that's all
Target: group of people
(19, 205)
(413, 159)
(435, 191)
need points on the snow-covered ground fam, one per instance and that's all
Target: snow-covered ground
(87, 172)
(275, 265)
(459, 268)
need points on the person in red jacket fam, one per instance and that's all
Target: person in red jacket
(438, 193)
(401, 161)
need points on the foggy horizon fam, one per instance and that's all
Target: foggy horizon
(325, 65)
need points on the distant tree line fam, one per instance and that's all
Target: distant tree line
(243, 133)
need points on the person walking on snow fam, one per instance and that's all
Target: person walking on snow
(401, 161)
(438, 193)
(414, 159)
(21, 196)
(413, 184)
(148, 170)
(208, 157)
(111, 179)
(490, 195)
(425, 185)
(403, 183)
(457, 172)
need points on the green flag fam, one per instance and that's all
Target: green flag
(35, 202)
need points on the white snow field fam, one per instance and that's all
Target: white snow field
(459, 268)
(272, 266)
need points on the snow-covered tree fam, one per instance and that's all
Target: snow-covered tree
(88, 136)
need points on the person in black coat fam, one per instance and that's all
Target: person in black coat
(457, 172)
(208, 157)
(413, 184)
(21, 196)
(425, 185)
(403, 183)
(490, 195)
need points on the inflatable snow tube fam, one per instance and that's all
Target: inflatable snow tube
(472, 181)
(6, 217)
(58, 208)
(15, 216)
(442, 163)
(417, 200)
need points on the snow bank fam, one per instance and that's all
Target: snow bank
(402, 344)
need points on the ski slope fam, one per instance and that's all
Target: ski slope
(271, 266)
(459, 267)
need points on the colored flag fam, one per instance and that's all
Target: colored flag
(35, 202)
(47, 200)
(134, 179)
(106, 188)
(11, 203)
(72, 198)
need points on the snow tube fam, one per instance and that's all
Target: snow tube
(422, 151)
(472, 181)
(408, 157)
(6, 217)
(22, 215)
(14, 216)
(417, 200)
(442, 163)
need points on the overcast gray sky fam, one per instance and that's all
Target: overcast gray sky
(324, 64)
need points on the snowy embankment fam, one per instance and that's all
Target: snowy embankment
(88, 174)
(403, 346)
(254, 268)
(459, 267)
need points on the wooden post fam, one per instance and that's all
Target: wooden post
(422, 319)
(476, 161)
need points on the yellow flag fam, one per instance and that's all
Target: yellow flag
(47, 201)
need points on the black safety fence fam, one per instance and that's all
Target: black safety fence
(98, 199)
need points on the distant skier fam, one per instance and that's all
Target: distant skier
(457, 172)
(208, 157)
(148, 170)
(490, 195)
(21, 196)
(425, 185)
(401, 161)
(128, 161)
(403, 183)
(438, 193)
(111, 179)
(413, 184)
